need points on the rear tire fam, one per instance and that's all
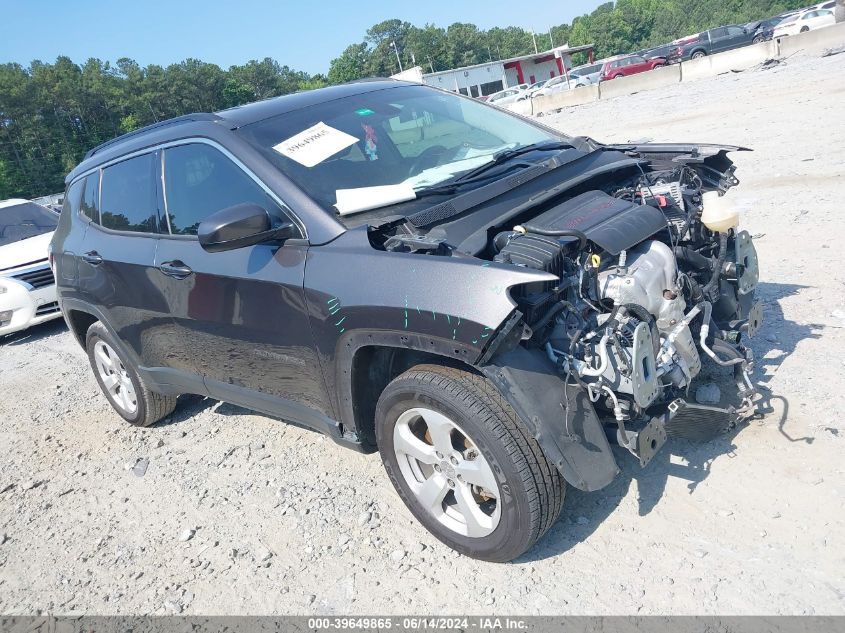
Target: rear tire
(121, 383)
(699, 54)
(487, 446)
(804, 29)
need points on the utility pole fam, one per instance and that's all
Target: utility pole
(430, 63)
(534, 38)
(396, 50)
(551, 39)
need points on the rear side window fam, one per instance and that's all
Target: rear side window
(91, 198)
(128, 196)
(200, 180)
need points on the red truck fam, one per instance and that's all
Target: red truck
(630, 65)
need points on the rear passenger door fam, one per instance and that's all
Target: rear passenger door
(118, 256)
(637, 65)
(241, 313)
(737, 36)
(717, 39)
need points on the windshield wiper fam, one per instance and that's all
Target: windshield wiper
(480, 173)
(506, 155)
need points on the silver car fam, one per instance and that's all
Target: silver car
(585, 75)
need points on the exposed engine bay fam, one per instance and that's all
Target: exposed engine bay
(653, 276)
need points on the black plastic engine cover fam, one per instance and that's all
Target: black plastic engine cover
(613, 224)
(534, 251)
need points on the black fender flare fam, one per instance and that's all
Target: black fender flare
(532, 386)
(351, 342)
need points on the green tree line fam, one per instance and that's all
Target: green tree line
(51, 114)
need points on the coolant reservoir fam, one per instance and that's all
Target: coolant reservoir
(719, 214)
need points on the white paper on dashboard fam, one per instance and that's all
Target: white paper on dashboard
(366, 198)
(314, 145)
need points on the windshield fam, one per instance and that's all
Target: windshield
(22, 221)
(380, 148)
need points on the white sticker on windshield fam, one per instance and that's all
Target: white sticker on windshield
(314, 145)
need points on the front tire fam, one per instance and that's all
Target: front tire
(120, 382)
(463, 463)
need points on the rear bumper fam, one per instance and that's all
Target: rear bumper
(21, 307)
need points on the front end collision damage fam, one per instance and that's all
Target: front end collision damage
(561, 417)
(477, 327)
(491, 321)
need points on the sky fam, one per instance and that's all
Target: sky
(305, 35)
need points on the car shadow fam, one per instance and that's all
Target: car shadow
(188, 406)
(35, 333)
(776, 342)
(583, 512)
(693, 460)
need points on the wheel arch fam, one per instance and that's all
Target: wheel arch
(368, 361)
(79, 320)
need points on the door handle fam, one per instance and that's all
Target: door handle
(93, 258)
(176, 269)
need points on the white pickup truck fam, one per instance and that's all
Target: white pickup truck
(27, 287)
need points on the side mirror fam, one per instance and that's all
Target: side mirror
(238, 226)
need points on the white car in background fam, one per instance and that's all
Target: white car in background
(27, 287)
(510, 95)
(803, 22)
(585, 75)
(554, 85)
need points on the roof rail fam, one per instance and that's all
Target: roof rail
(197, 116)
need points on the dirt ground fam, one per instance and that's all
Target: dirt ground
(219, 511)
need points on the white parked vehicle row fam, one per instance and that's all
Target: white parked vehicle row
(805, 21)
(27, 286)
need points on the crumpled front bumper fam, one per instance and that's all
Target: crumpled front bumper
(22, 306)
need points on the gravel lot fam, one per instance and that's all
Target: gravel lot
(219, 511)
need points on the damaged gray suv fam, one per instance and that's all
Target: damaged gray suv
(487, 302)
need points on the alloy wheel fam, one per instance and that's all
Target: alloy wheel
(446, 472)
(114, 378)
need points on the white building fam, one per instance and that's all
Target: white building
(485, 79)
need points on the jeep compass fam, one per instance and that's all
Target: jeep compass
(488, 303)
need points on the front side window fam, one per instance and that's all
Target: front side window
(200, 180)
(128, 196)
(22, 221)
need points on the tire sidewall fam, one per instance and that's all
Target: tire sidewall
(99, 333)
(511, 535)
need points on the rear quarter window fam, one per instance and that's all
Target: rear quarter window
(90, 205)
